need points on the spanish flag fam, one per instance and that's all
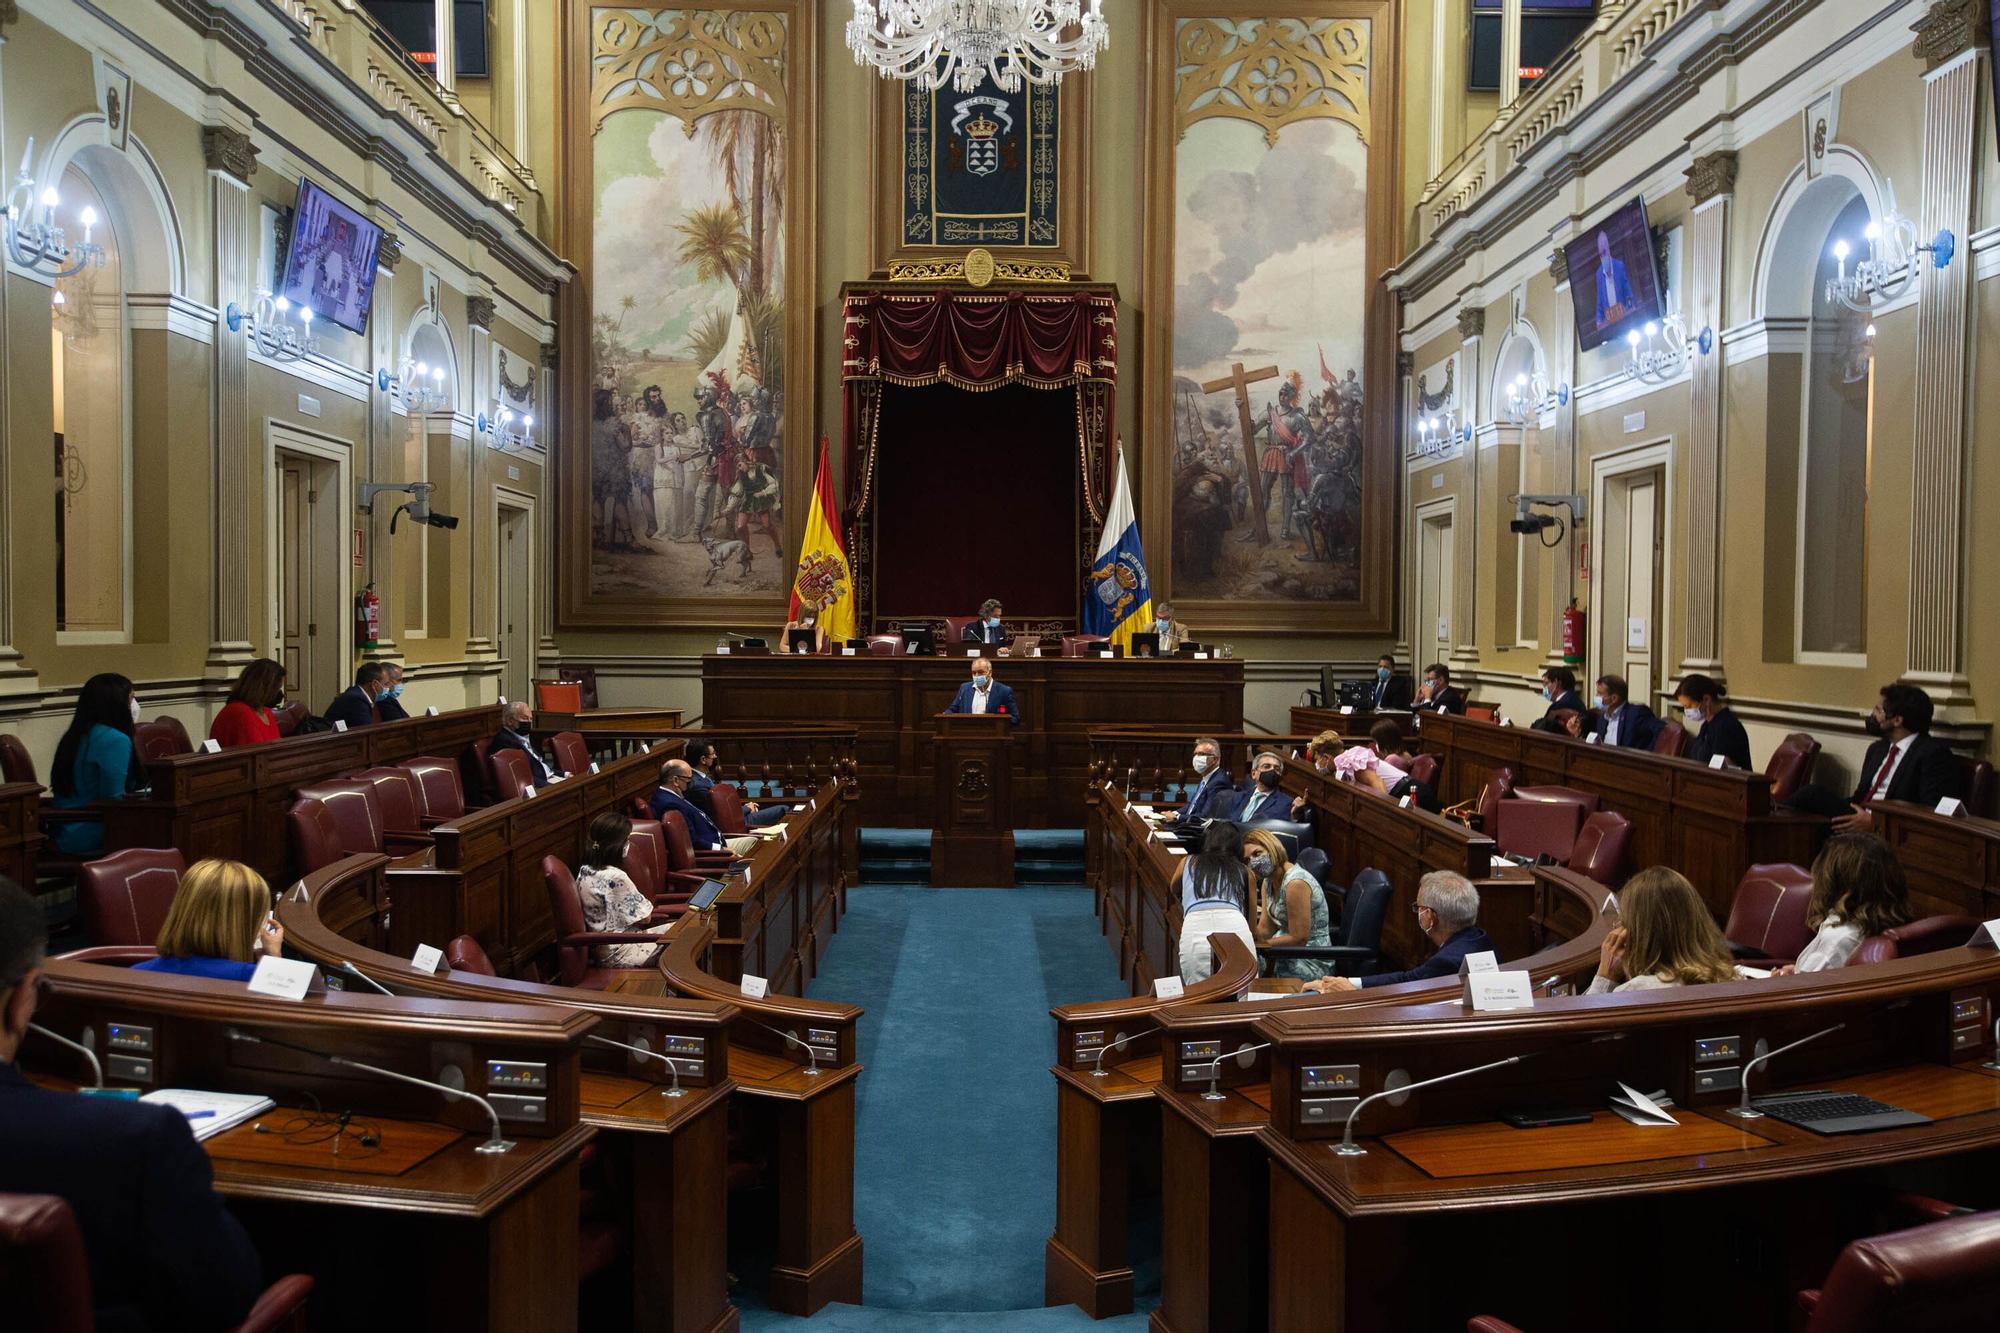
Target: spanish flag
(824, 580)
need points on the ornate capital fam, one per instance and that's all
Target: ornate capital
(550, 354)
(1948, 30)
(1472, 321)
(1559, 265)
(229, 152)
(390, 252)
(1712, 174)
(479, 311)
(1406, 364)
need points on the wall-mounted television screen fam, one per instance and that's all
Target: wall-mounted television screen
(1613, 280)
(330, 259)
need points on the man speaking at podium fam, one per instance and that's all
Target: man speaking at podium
(983, 694)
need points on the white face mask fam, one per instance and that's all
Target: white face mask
(979, 678)
(1201, 763)
(1692, 714)
(135, 711)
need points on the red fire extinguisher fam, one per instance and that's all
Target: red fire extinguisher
(367, 618)
(1573, 634)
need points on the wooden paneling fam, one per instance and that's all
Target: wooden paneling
(20, 831)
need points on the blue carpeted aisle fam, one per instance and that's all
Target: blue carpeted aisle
(954, 1172)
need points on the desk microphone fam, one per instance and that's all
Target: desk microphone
(1128, 783)
(812, 1054)
(96, 1069)
(1349, 1148)
(351, 970)
(1214, 1094)
(1743, 1110)
(494, 1144)
(673, 1065)
(1097, 1066)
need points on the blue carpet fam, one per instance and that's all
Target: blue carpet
(954, 1172)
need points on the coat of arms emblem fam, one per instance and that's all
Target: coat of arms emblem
(981, 130)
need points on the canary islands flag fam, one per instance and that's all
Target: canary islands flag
(825, 584)
(1120, 597)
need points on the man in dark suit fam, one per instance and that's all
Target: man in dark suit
(1393, 689)
(1261, 797)
(163, 1251)
(988, 628)
(389, 707)
(1906, 764)
(676, 776)
(706, 763)
(1619, 721)
(1447, 908)
(1436, 695)
(983, 694)
(355, 705)
(1559, 688)
(1214, 795)
(516, 728)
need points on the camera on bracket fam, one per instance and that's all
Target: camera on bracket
(418, 508)
(1529, 524)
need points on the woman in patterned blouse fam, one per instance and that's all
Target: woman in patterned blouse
(611, 901)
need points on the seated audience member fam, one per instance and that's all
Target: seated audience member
(389, 704)
(807, 618)
(517, 726)
(1575, 725)
(706, 763)
(1559, 688)
(1382, 764)
(218, 925)
(988, 628)
(1261, 798)
(249, 716)
(1324, 749)
(1436, 695)
(1291, 906)
(1214, 795)
(162, 1250)
(1215, 900)
(983, 694)
(1665, 937)
(95, 760)
(1858, 890)
(611, 901)
(1447, 913)
(1700, 699)
(1906, 764)
(1173, 632)
(1393, 689)
(676, 776)
(355, 705)
(1620, 721)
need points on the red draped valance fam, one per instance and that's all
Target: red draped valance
(978, 341)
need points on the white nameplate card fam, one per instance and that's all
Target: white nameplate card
(1036, 653)
(528, 790)
(339, 726)
(814, 803)
(1174, 850)
(847, 652)
(1347, 710)
(593, 765)
(1719, 761)
(972, 652)
(211, 746)
(1591, 739)
(1168, 988)
(746, 876)
(1987, 936)
(1641, 1109)
(1506, 721)
(503, 701)
(1484, 961)
(1404, 803)
(1104, 652)
(431, 711)
(784, 833)
(427, 958)
(645, 747)
(724, 650)
(1201, 657)
(1949, 805)
(755, 987)
(285, 978)
(1494, 992)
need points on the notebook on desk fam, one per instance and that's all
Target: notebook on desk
(1827, 1111)
(210, 1113)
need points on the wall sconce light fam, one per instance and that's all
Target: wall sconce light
(1893, 262)
(1530, 395)
(42, 246)
(419, 384)
(507, 429)
(1437, 432)
(1662, 354)
(274, 336)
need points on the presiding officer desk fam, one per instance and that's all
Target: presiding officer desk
(417, 1229)
(891, 702)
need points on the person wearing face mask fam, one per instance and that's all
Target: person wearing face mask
(355, 705)
(1559, 688)
(389, 706)
(987, 629)
(983, 694)
(1173, 633)
(1292, 907)
(95, 761)
(1214, 794)
(247, 717)
(1700, 699)
(676, 776)
(1907, 763)
(516, 728)
(1324, 749)
(1393, 689)
(611, 902)
(707, 763)
(1620, 721)
(1447, 909)
(1261, 797)
(1436, 695)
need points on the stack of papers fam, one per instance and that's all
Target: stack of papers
(210, 1113)
(1641, 1109)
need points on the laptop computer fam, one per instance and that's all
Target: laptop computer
(1828, 1111)
(1145, 644)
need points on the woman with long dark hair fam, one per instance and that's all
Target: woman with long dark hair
(1215, 899)
(611, 901)
(250, 715)
(95, 760)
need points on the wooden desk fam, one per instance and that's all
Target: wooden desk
(1354, 725)
(20, 831)
(1953, 865)
(972, 807)
(890, 701)
(1710, 824)
(619, 721)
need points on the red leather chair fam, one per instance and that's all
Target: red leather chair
(173, 727)
(1424, 768)
(1791, 765)
(396, 797)
(558, 696)
(1671, 740)
(289, 717)
(315, 836)
(15, 763)
(125, 896)
(646, 863)
(1479, 712)
(586, 679)
(573, 941)
(463, 953)
(954, 634)
(155, 740)
(1499, 786)
(111, 955)
(1588, 800)
(1925, 935)
(1945, 1275)
(681, 854)
(1082, 645)
(572, 754)
(1536, 828)
(507, 774)
(1767, 917)
(728, 803)
(1977, 775)
(473, 775)
(46, 1275)
(885, 645)
(358, 821)
(1601, 847)
(440, 793)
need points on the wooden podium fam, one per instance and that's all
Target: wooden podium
(972, 832)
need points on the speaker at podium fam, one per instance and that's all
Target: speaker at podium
(972, 837)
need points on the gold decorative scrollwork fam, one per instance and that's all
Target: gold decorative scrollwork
(955, 270)
(1271, 72)
(689, 63)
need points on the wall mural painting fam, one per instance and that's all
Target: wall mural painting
(1270, 276)
(688, 330)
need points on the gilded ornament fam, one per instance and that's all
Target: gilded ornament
(979, 266)
(1271, 72)
(687, 63)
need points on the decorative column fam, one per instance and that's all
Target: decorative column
(1510, 51)
(1559, 468)
(1465, 543)
(386, 460)
(547, 652)
(1952, 42)
(232, 162)
(1710, 182)
(480, 538)
(1406, 399)
(16, 677)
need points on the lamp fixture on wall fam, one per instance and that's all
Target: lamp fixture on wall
(418, 383)
(1530, 395)
(42, 246)
(1893, 262)
(1660, 353)
(963, 42)
(506, 428)
(1437, 432)
(270, 329)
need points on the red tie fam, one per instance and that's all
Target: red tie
(1880, 791)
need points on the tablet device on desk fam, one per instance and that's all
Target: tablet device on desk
(1144, 645)
(799, 640)
(706, 894)
(1544, 1117)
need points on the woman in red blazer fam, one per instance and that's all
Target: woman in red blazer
(248, 718)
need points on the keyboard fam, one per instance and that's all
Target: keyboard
(1827, 1112)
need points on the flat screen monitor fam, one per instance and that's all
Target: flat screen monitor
(919, 640)
(1329, 687)
(1613, 281)
(799, 640)
(1145, 645)
(330, 259)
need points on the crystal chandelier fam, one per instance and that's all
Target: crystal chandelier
(963, 41)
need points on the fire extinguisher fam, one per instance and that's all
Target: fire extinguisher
(367, 618)
(1573, 634)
